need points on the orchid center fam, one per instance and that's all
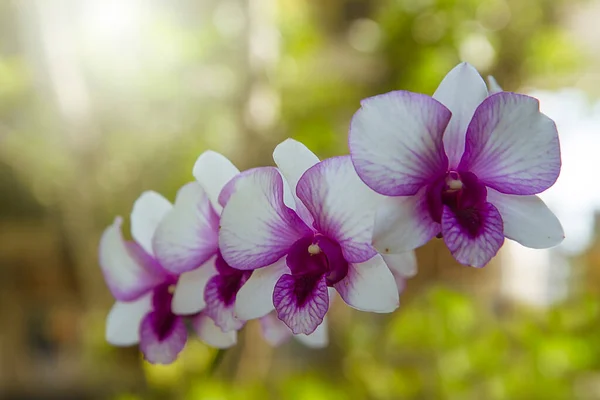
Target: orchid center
(453, 182)
(318, 255)
(314, 249)
(163, 319)
(463, 194)
(171, 289)
(228, 281)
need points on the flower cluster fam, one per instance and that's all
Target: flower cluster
(279, 243)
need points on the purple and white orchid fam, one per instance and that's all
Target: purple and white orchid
(302, 235)
(150, 299)
(187, 237)
(463, 165)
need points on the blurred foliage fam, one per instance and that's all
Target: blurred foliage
(443, 344)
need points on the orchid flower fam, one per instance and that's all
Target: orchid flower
(463, 165)
(148, 296)
(301, 235)
(187, 237)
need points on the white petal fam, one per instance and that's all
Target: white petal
(255, 298)
(369, 286)
(342, 205)
(293, 159)
(511, 146)
(187, 236)
(493, 85)
(274, 330)
(257, 228)
(123, 321)
(213, 170)
(403, 264)
(527, 220)
(128, 270)
(148, 210)
(403, 224)
(211, 334)
(318, 339)
(396, 142)
(461, 90)
(189, 292)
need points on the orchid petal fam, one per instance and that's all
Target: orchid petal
(369, 286)
(164, 350)
(466, 249)
(511, 146)
(396, 142)
(212, 171)
(403, 264)
(218, 309)
(189, 292)
(187, 236)
(257, 228)
(342, 205)
(211, 334)
(274, 330)
(129, 272)
(461, 90)
(293, 159)
(148, 210)
(493, 86)
(255, 298)
(124, 319)
(318, 339)
(301, 315)
(403, 224)
(527, 220)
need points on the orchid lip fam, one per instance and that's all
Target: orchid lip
(463, 193)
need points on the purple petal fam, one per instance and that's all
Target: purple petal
(256, 226)
(220, 295)
(403, 224)
(187, 236)
(255, 298)
(527, 220)
(124, 319)
(396, 142)
(213, 171)
(462, 90)
(129, 272)
(148, 210)
(159, 348)
(293, 159)
(274, 330)
(369, 286)
(342, 205)
(211, 334)
(468, 249)
(189, 292)
(511, 146)
(301, 302)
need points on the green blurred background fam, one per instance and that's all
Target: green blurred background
(103, 99)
